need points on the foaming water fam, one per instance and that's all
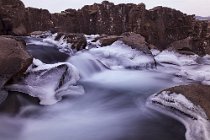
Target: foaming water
(113, 106)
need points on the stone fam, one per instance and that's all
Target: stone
(136, 41)
(14, 59)
(108, 40)
(196, 93)
(38, 20)
(160, 26)
(12, 15)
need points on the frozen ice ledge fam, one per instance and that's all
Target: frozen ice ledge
(187, 103)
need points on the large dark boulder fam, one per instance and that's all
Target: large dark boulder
(14, 59)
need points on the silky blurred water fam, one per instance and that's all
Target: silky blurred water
(112, 108)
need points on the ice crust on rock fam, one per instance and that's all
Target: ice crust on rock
(119, 55)
(48, 82)
(179, 107)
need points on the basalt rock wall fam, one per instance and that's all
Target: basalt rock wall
(160, 26)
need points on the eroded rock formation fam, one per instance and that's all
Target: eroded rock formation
(160, 26)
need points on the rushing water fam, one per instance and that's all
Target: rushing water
(112, 108)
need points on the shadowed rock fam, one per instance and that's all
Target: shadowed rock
(14, 59)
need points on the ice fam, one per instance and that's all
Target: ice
(61, 44)
(178, 106)
(90, 41)
(176, 58)
(49, 82)
(191, 67)
(199, 73)
(119, 55)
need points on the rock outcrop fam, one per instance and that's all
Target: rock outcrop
(12, 15)
(14, 59)
(190, 45)
(38, 20)
(160, 26)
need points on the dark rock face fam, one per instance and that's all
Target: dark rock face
(197, 93)
(12, 14)
(14, 60)
(160, 26)
(191, 46)
(66, 21)
(38, 20)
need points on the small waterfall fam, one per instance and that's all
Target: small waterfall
(87, 64)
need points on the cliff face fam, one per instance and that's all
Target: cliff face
(160, 26)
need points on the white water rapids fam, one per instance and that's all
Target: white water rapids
(99, 93)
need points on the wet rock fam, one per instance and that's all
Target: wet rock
(196, 93)
(108, 40)
(78, 41)
(14, 59)
(136, 41)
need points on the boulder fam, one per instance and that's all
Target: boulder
(77, 40)
(196, 93)
(190, 46)
(136, 41)
(14, 59)
(108, 40)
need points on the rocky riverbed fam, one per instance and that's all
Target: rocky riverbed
(145, 79)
